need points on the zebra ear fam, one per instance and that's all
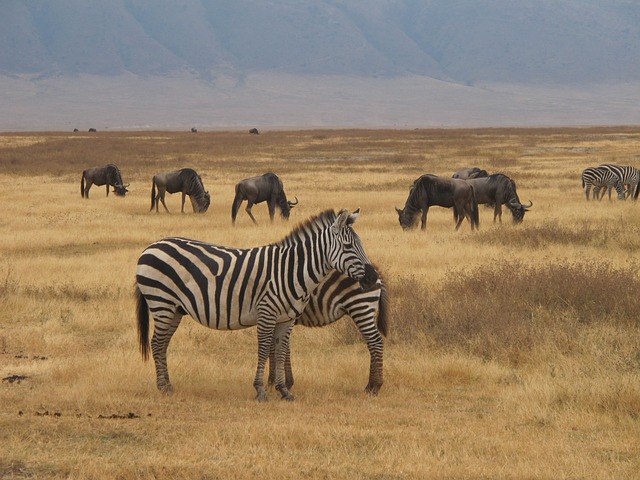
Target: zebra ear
(353, 217)
(340, 222)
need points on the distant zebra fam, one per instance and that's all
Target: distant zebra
(601, 177)
(229, 288)
(339, 295)
(629, 177)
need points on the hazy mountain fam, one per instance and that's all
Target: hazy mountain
(232, 44)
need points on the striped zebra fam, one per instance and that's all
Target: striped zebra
(339, 295)
(230, 288)
(629, 177)
(601, 177)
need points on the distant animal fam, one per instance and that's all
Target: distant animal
(76, 130)
(429, 190)
(232, 288)
(194, 130)
(629, 177)
(498, 190)
(339, 295)
(254, 131)
(473, 172)
(597, 178)
(263, 188)
(108, 175)
(92, 130)
(186, 181)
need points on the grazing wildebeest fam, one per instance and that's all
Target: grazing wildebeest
(339, 295)
(194, 130)
(429, 190)
(92, 130)
(254, 131)
(108, 175)
(186, 181)
(263, 188)
(473, 172)
(76, 130)
(498, 190)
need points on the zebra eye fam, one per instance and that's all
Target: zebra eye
(348, 244)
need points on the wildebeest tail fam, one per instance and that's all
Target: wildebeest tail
(142, 310)
(383, 307)
(237, 201)
(82, 185)
(153, 193)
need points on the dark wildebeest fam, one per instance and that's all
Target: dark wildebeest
(194, 130)
(263, 188)
(108, 175)
(186, 181)
(429, 190)
(254, 131)
(498, 190)
(473, 172)
(92, 130)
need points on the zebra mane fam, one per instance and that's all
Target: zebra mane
(316, 222)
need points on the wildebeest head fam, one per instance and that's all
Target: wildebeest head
(120, 190)
(206, 203)
(286, 206)
(518, 210)
(407, 221)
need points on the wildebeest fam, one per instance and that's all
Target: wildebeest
(498, 190)
(429, 190)
(186, 181)
(263, 188)
(473, 172)
(254, 131)
(108, 175)
(194, 130)
(92, 130)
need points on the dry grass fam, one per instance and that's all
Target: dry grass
(514, 351)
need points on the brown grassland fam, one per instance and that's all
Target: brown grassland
(514, 351)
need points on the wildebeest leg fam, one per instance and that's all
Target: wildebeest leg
(281, 337)
(107, 188)
(272, 209)
(423, 225)
(161, 193)
(183, 199)
(87, 188)
(163, 330)
(497, 211)
(248, 210)
(461, 216)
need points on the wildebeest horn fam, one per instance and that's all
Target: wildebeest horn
(526, 207)
(291, 204)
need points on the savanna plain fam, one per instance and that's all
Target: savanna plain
(513, 351)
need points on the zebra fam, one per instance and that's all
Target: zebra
(339, 295)
(597, 177)
(629, 177)
(229, 288)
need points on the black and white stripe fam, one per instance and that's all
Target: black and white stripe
(228, 288)
(629, 177)
(597, 178)
(339, 295)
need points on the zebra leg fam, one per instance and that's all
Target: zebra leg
(288, 372)
(281, 337)
(162, 333)
(375, 344)
(266, 326)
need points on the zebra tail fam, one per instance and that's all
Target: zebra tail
(82, 185)
(383, 307)
(143, 324)
(153, 193)
(635, 195)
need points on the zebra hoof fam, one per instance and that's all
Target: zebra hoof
(166, 390)
(371, 390)
(261, 397)
(288, 397)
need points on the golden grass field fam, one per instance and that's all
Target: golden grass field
(514, 351)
